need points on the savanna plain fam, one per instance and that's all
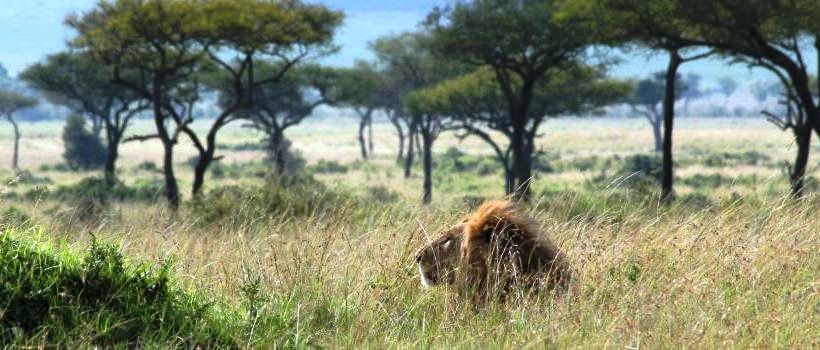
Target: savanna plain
(324, 258)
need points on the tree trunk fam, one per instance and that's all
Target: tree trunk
(370, 134)
(509, 179)
(667, 175)
(171, 187)
(427, 141)
(523, 187)
(520, 174)
(521, 152)
(111, 157)
(798, 172)
(362, 141)
(96, 126)
(277, 151)
(411, 148)
(200, 169)
(15, 156)
(656, 132)
(400, 132)
(419, 144)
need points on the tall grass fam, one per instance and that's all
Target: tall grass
(338, 272)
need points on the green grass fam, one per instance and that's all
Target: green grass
(51, 295)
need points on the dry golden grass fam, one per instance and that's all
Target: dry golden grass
(733, 274)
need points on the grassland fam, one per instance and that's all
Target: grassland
(328, 264)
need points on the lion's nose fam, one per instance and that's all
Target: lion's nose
(418, 259)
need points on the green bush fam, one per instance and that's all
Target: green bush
(56, 297)
(83, 150)
(381, 194)
(455, 161)
(292, 195)
(147, 166)
(733, 159)
(328, 167)
(97, 189)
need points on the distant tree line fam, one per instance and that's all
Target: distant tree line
(496, 70)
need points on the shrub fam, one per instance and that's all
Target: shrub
(328, 167)
(454, 160)
(83, 150)
(97, 193)
(294, 162)
(381, 194)
(293, 195)
(147, 166)
(731, 159)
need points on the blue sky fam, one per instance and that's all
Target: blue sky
(31, 29)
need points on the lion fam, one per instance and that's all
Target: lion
(491, 253)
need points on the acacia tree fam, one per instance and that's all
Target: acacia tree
(155, 38)
(405, 64)
(475, 103)
(689, 89)
(775, 35)
(278, 107)
(647, 24)
(727, 86)
(281, 34)
(11, 102)
(76, 81)
(169, 42)
(521, 42)
(431, 122)
(645, 98)
(360, 89)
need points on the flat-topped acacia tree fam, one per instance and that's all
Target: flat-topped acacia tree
(645, 24)
(11, 102)
(171, 41)
(275, 108)
(406, 64)
(775, 35)
(474, 104)
(521, 42)
(647, 94)
(76, 81)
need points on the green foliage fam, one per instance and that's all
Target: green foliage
(76, 81)
(455, 161)
(56, 297)
(381, 194)
(328, 167)
(83, 149)
(725, 159)
(638, 172)
(147, 166)
(97, 189)
(287, 196)
(11, 102)
(293, 160)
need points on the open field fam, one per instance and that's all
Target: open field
(731, 265)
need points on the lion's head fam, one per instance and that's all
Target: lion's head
(439, 259)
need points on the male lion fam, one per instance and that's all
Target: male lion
(495, 249)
